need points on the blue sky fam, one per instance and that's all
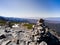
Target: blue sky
(30, 8)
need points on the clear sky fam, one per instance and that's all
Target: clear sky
(30, 8)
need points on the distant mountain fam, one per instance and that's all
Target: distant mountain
(53, 20)
(53, 23)
(2, 18)
(18, 19)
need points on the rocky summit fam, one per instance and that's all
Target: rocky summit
(21, 36)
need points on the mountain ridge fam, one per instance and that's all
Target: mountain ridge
(18, 19)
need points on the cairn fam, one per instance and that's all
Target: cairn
(39, 30)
